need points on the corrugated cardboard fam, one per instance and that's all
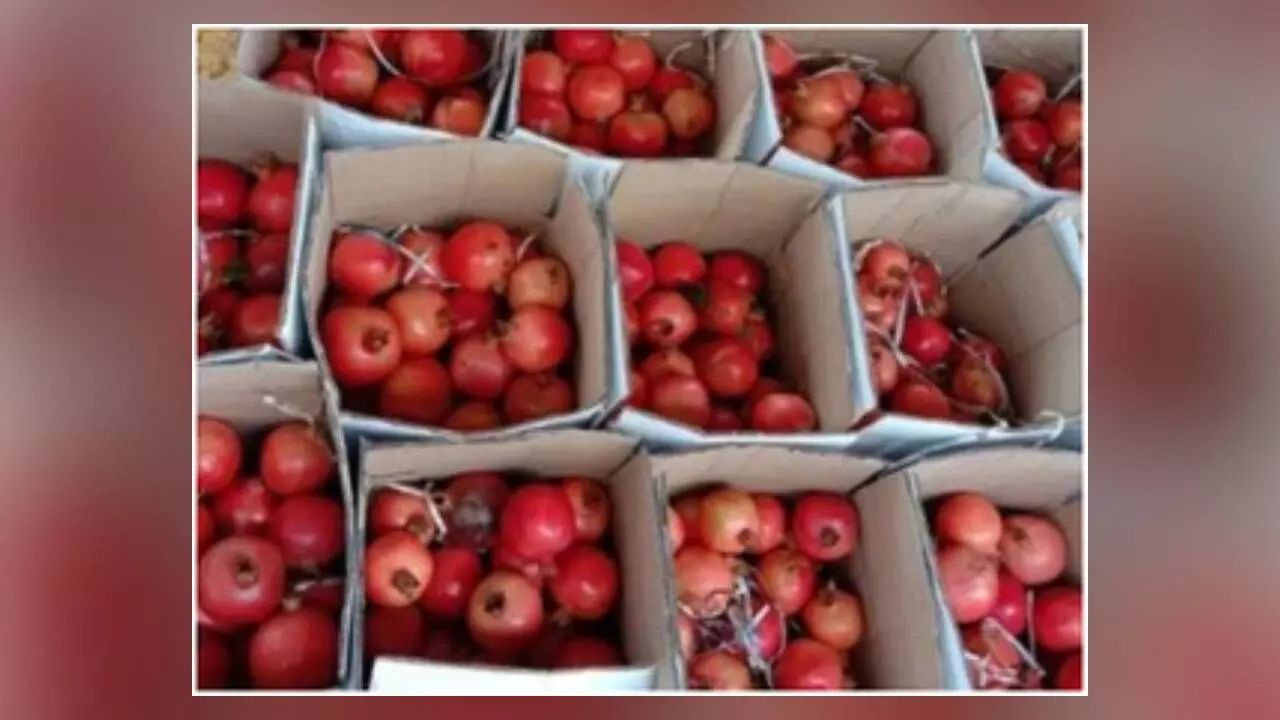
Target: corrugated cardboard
(258, 395)
(344, 127)
(445, 183)
(1058, 55)
(238, 120)
(723, 56)
(893, 608)
(638, 525)
(1042, 481)
(1023, 293)
(716, 206)
(938, 64)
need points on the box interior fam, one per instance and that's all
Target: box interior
(717, 206)
(1054, 54)
(441, 185)
(638, 521)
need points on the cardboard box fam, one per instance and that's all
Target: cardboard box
(779, 219)
(1025, 294)
(638, 525)
(345, 127)
(725, 57)
(238, 121)
(1045, 481)
(1057, 55)
(938, 64)
(442, 184)
(257, 395)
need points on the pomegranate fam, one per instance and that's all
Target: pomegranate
(855, 163)
(675, 529)
(638, 397)
(969, 582)
(295, 458)
(362, 343)
(478, 256)
(926, 339)
(1033, 549)
(326, 594)
(888, 106)
(240, 581)
(926, 279)
(1026, 140)
(296, 649)
(475, 502)
(1068, 177)
(308, 530)
(386, 40)
(204, 527)
(887, 264)
(818, 104)
(848, 85)
(539, 281)
(1011, 603)
(680, 398)
(399, 98)
(546, 115)
(422, 314)
(471, 311)
(505, 612)
(725, 309)
(346, 74)
(596, 92)
(1018, 94)
(218, 455)
(834, 617)
(704, 580)
(766, 633)
(664, 362)
(678, 263)
(419, 390)
(737, 268)
(884, 365)
(825, 526)
(689, 113)
(666, 318)
(222, 194)
(1066, 123)
(689, 508)
(243, 508)
(723, 419)
(397, 569)
(920, 398)
(634, 60)
(788, 579)
(537, 522)
(810, 141)
(900, 152)
(635, 272)
(537, 395)
(434, 57)
(535, 571)
(449, 644)
(583, 46)
(460, 114)
(588, 137)
(780, 59)
(536, 338)
(637, 134)
(456, 574)
(213, 661)
(266, 259)
(543, 73)
(296, 57)
(393, 631)
(782, 412)
(729, 521)
(363, 265)
(808, 665)
(391, 510)
(726, 367)
(971, 520)
(586, 652)
(585, 582)
(1070, 673)
(1058, 619)
(591, 508)
(974, 383)
(255, 321)
(217, 257)
(758, 337)
(718, 670)
(773, 524)
(479, 368)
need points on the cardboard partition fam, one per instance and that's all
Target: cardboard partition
(1044, 481)
(256, 396)
(441, 185)
(345, 127)
(777, 218)
(1058, 56)
(1024, 294)
(897, 612)
(725, 57)
(938, 64)
(638, 525)
(238, 120)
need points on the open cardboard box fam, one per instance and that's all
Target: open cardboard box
(638, 525)
(938, 64)
(778, 218)
(1058, 56)
(345, 127)
(442, 184)
(257, 395)
(1024, 294)
(725, 57)
(239, 121)
(1037, 480)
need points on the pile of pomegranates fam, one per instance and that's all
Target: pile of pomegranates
(922, 363)
(840, 111)
(244, 216)
(1042, 136)
(467, 329)
(270, 536)
(1002, 578)
(488, 569)
(758, 592)
(435, 78)
(608, 93)
(702, 344)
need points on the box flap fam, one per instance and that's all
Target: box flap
(405, 676)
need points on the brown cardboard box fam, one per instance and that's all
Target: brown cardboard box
(716, 206)
(445, 183)
(257, 395)
(637, 523)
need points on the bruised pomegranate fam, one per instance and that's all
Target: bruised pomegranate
(505, 612)
(478, 256)
(454, 578)
(678, 263)
(419, 390)
(667, 319)
(680, 398)
(585, 582)
(825, 526)
(718, 670)
(969, 582)
(539, 281)
(537, 395)
(240, 581)
(1058, 619)
(635, 272)
(296, 649)
(218, 455)
(391, 510)
(479, 368)
(729, 521)
(1033, 549)
(222, 194)
(808, 665)
(471, 311)
(476, 501)
(704, 580)
(788, 579)
(969, 519)
(308, 530)
(834, 617)
(362, 343)
(591, 508)
(393, 631)
(295, 458)
(773, 524)
(537, 522)
(422, 314)
(783, 412)
(397, 569)
(726, 367)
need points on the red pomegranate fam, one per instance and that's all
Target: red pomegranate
(834, 617)
(537, 522)
(726, 367)
(537, 395)
(1033, 549)
(780, 59)
(585, 582)
(704, 580)
(729, 521)
(887, 264)
(213, 661)
(266, 259)
(675, 530)
(419, 390)
(737, 268)
(689, 508)
(688, 112)
(586, 652)
(680, 398)
(479, 368)
(667, 361)
(773, 524)
(460, 114)
(454, 578)
(1018, 94)
(825, 526)
(297, 649)
(244, 508)
(346, 74)
(678, 263)
(362, 344)
(635, 272)
(667, 319)
(634, 60)
(926, 339)
(536, 339)
(471, 311)
(363, 265)
(295, 458)
(974, 383)
(1058, 619)
(596, 92)
(808, 665)
(222, 194)
(478, 256)
(969, 519)
(546, 115)
(539, 281)
(788, 579)
(637, 134)
(397, 569)
(810, 141)
(218, 455)
(1011, 603)
(543, 73)
(969, 582)
(725, 308)
(255, 321)
(921, 398)
(591, 508)
(888, 106)
(718, 670)
(393, 631)
(885, 369)
(423, 316)
(205, 530)
(583, 46)
(783, 412)
(240, 581)
(1070, 673)
(434, 57)
(399, 98)
(474, 416)
(271, 200)
(309, 531)
(505, 612)
(392, 509)
(900, 152)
